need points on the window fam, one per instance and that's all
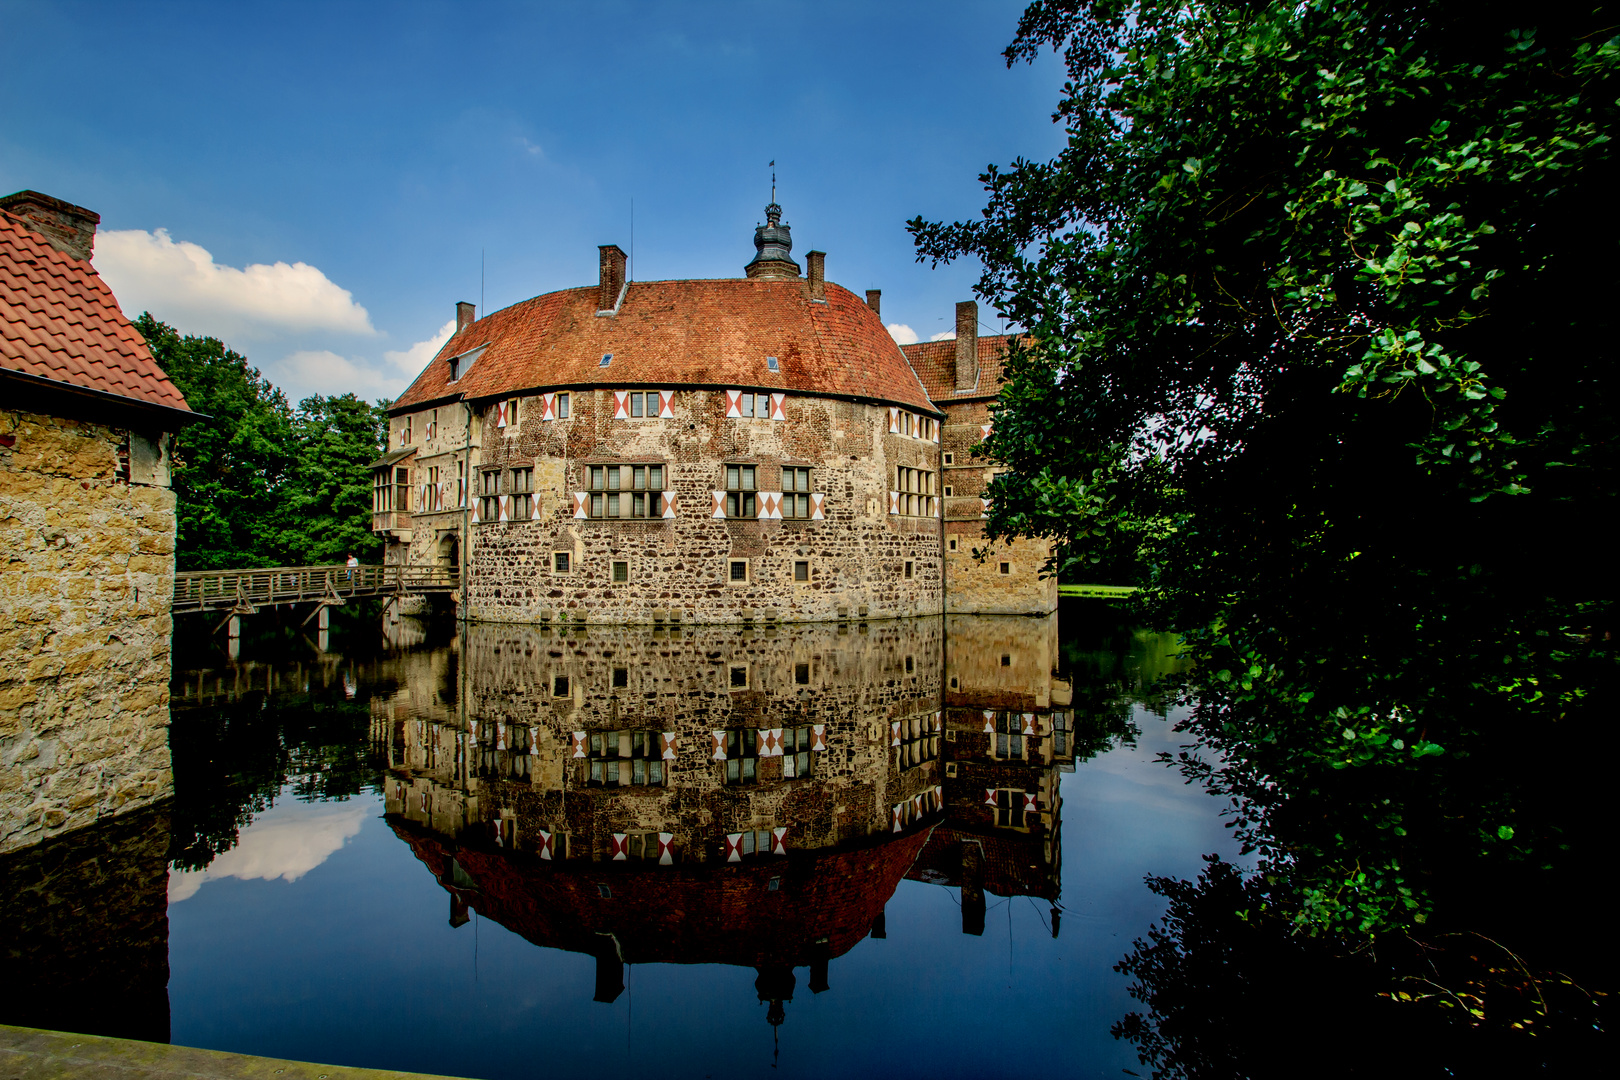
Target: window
(795, 492)
(1006, 661)
(801, 570)
(740, 498)
(1010, 808)
(402, 490)
(641, 846)
(951, 543)
(1006, 568)
(607, 358)
(918, 741)
(382, 493)
(433, 424)
(621, 571)
(754, 406)
(911, 664)
(801, 674)
(621, 678)
(488, 495)
(560, 561)
(626, 491)
(623, 758)
(559, 686)
(948, 491)
(511, 412)
(405, 433)
(742, 756)
(1009, 735)
(798, 760)
(914, 486)
(455, 368)
(461, 483)
(770, 362)
(644, 403)
(739, 572)
(950, 459)
(522, 494)
(1060, 733)
(562, 406)
(909, 565)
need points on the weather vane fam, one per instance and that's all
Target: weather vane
(773, 181)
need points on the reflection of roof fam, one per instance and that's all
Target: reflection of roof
(1014, 862)
(696, 913)
(935, 364)
(715, 333)
(392, 456)
(60, 322)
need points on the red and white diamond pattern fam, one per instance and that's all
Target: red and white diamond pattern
(777, 412)
(1029, 802)
(534, 508)
(500, 414)
(582, 502)
(733, 404)
(989, 796)
(894, 420)
(894, 733)
(734, 847)
(984, 431)
(545, 845)
(770, 506)
(989, 722)
(666, 746)
(670, 505)
(770, 742)
(500, 735)
(621, 847)
(548, 406)
(719, 504)
(577, 740)
(984, 505)
(818, 737)
(717, 752)
(894, 502)
(1030, 726)
(895, 813)
(666, 849)
(779, 840)
(818, 502)
(502, 505)
(621, 404)
(666, 404)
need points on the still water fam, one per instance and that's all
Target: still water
(901, 848)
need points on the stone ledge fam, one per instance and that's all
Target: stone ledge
(32, 1054)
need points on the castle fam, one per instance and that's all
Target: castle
(728, 450)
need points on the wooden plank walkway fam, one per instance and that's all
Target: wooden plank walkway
(245, 591)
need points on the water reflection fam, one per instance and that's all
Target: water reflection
(715, 795)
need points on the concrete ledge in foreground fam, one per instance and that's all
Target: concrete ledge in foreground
(31, 1054)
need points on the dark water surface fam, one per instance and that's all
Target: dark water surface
(398, 854)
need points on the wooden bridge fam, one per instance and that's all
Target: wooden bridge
(243, 592)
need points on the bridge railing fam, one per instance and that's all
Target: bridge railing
(199, 590)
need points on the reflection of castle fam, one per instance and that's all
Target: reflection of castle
(712, 794)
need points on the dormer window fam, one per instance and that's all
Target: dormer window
(771, 364)
(607, 358)
(460, 363)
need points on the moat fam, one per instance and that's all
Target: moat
(488, 850)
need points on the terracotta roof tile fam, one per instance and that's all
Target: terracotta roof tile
(935, 364)
(671, 333)
(58, 320)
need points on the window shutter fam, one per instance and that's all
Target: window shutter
(582, 500)
(777, 411)
(733, 404)
(578, 740)
(719, 504)
(719, 752)
(621, 404)
(666, 404)
(667, 746)
(734, 847)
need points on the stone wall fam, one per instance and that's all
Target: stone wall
(679, 567)
(1007, 580)
(86, 577)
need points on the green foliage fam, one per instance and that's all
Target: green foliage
(258, 483)
(1321, 354)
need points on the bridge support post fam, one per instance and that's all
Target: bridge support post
(323, 620)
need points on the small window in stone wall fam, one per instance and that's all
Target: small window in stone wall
(1009, 735)
(561, 561)
(626, 491)
(951, 544)
(909, 566)
(795, 492)
(948, 492)
(562, 406)
(489, 496)
(801, 570)
(1006, 568)
(1010, 809)
(742, 756)
(559, 686)
(621, 678)
(741, 484)
(625, 758)
(621, 571)
(950, 459)
(737, 677)
(737, 573)
(801, 674)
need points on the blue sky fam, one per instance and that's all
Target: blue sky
(315, 183)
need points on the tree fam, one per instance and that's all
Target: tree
(228, 469)
(1311, 288)
(325, 513)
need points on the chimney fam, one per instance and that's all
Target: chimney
(873, 296)
(466, 315)
(70, 229)
(967, 345)
(816, 264)
(610, 281)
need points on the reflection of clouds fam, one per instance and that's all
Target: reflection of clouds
(286, 842)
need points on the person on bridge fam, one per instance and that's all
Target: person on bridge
(353, 562)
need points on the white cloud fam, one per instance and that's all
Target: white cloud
(411, 361)
(286, 842)
(530, 148)
(180, 283)
(943, 335)
(902, 334)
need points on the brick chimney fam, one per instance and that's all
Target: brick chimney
(70, 229)
(466, 315)
(967, 345)
(816, 265)
(610, 281)
(873, 297)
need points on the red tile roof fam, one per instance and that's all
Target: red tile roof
(59, 321)
(670, 333)
(935, 364)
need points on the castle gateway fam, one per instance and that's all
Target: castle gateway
(697, 451)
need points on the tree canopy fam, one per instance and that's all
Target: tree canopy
(1320, 354)
(259, 483)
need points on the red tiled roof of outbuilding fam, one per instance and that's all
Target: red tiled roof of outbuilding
(935, 364)
(59, 321)
(671, 333)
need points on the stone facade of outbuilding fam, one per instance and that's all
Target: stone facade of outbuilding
(87, 534)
